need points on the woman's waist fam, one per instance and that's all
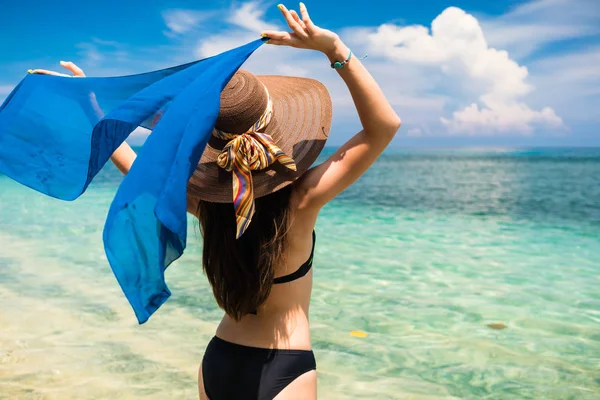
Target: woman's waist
(279, 331)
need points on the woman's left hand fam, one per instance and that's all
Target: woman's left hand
(75, 70)
(305, 34)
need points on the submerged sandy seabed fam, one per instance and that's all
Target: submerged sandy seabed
(424, 284)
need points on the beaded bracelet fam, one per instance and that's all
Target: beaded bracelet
(338, 64)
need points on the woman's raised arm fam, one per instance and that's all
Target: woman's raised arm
(379, 121)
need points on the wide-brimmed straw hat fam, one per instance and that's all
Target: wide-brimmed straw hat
(294, 112)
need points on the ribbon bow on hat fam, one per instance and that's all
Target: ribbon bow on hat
(244, 153)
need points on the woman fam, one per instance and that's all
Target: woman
(257, 254)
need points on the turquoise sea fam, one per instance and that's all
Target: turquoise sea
(421, 254)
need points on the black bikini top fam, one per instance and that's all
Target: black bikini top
(304, 268)
(300, 272)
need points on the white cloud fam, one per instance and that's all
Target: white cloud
(554, 36)
(216, 44)
(249, 16)
(414, 132)
(504, 118)
(98, 51)
(457, 46)
(293, 70)
(578, 67)
(525, 38)
(267, 60)
(90, 53)
(532, 26)
(180, 21)
(572, 81)
(102, 42)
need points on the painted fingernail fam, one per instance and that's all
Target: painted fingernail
(302, 6)
(30, 71)
(263, 35)
(280, 6)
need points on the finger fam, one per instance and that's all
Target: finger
(47, 72)
(280, 35)
(75, 70)
(294, 26)
(292, 42)
(297, 19)
(306, 18)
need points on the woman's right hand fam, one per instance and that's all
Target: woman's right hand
(305, 34)
(75, 70)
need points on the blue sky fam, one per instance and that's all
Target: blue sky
(459, 73)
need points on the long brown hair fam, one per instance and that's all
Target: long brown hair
(241, 271)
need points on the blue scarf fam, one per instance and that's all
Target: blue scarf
(56, 133)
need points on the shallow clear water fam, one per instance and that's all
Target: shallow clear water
(425, 251)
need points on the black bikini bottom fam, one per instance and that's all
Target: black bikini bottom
(232, 371)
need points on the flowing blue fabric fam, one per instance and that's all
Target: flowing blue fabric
(56, 133)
